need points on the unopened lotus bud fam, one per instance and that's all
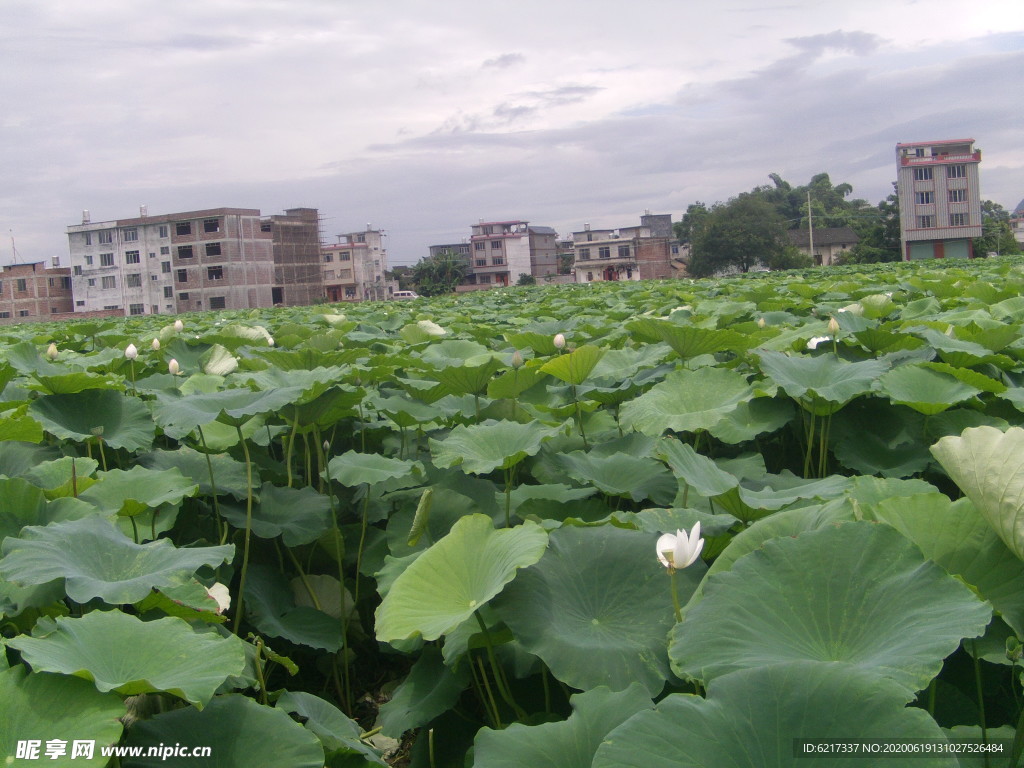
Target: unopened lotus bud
(517, 359)
(761, 323)
(327, 446)
(559, 341)
(51, 351)
(833, 326)
(270, 340)
(155, 345)
(178, 325)
(173, 368)
(131, 352)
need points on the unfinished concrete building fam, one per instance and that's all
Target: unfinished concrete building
(298, 276)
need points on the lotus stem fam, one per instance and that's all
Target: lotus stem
(675, 595)
(346, 676)
(981, 697)
(483, 684)
(248, 531)
(258, 666)
(499, 675)
(430, 747)
(222, 528)
(304, 579)
(290, 449)
(362, 542)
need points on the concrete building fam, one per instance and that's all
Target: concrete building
(940, 198)
(829, 243)
(354, 268)
(501, 251)
(1017, 222)
(34, 293)
(627, 253)
(295, 238)
(218, 258)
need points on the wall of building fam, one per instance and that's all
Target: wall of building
(34, 293)
(298, 270)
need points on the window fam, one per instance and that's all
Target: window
(958, 219)
(488, 230)
(217, 302)
(345, 256)
(328, 258)
(211, 225)
(956, 172)
(184, 251)
(957, 195)
(78, 270)
(350, 293)
(165, 250)
(131, 257)
(590, 276)
(133, 280)
(22, 284)
(484, 279)
(182, 276)
(498, 261)
(23, 313)
(106, 259)
(8, 314)
(79, 303)
(154, 278)
(584, 253)
(213, 249)
(165, 267)
(495, 245)
(168, 292)
(65, 282)
(136, 309)
(92, 282)
(106, 237)
(481, 262)
(924, 198)
(109, 282)
(623, 251)
(183, 228)
(152, 255)
(604, 252)
(182, 297)
(215, 273)
(360, 238)
(480, 245)
(165, 231)
(130, 235)
(925, 222)
(922, 174)
(111, 306)
(88, 260)
(88, 238)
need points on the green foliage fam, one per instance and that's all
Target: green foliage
(741, 235)
(437, 275)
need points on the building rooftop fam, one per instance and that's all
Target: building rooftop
(822, 236)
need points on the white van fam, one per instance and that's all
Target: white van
(405, 295)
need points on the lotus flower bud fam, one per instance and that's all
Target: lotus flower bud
(761, 322)
(270, 341)
(559, 341)
(327, 445)
(178, 325)
(155, 345)
(51, 351)
(173, 368)
(833, 326)
(517, 359)
(131, 352)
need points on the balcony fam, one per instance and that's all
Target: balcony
(972, 157)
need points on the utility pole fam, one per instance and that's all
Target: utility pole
(810, 225)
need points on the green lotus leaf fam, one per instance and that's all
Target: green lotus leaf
(541, 343)
(676, 518)
(159, 655)
(467, 379)
(15, 425)
(228, 473)
(620, 475)
(567, 744)
(925, 390)
(272, 609)
(354, 469)
(482, 448)
(132, 491)
(870, 436)
(239, 733)
(338, 733)
(23, 504)
(597, 607)
(687, 401)
(179, 415)
(824, 382)
(957, 537)
(575, 367)
(514, 382)
(431, 688)
(190, 601)
(40, 707)
(64, 476)
(97, 560)
(753, 717)
(689, 341)
(858, 593)
(122, 421)
(753, 418)
(454, 577)
(298, 515)
(455, 352)
(403, 411)
(988, 465)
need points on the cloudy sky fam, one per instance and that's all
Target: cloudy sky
(423, 117)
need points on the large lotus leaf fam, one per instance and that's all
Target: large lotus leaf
(239, 733)
(687, 401)
(823, 380)
(620, 475)
(179, 415)
(871, 436)
(482, 448)
(160, 655)
(514, 382)
(97, 560)
(353, 469)
(575, 367)
(338, 733)
(925, 390)
(458, 574)
(15, 425)
(567, 744)
(228, 473)
(132, 491)
(686, 340)
(957, 537)
(122, 421)
(455, 352)
(467, 379)
(297, 515)
(66, 476)
(272, 609)
(404, 411)
(541, 343)
(752, 418)
(859, 593)
(988, 465)
(597, 606)
(23, 504)
(40, 707)
(431, 688)
(752, 718)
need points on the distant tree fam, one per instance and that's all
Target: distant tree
(403, 275)
(525, 279)
(879, 231)
(690, 224)
(745, 233)
(438, 274)
(565, 263)
(997, 235)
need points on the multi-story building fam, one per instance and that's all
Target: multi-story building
(823, 244)
(218, 258)
(459, 249)
(940, 198)
(501, 251)
(1017, 222)
(627, 253)
(354, 267)
(34, 292)
(298, 273)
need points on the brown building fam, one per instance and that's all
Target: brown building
(298, 277)
(627, 253)
(34, 293)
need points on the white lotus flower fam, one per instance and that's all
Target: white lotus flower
(270, 341)
(155, 345)
(173, 367)
(131, 352)
(679, 550)
(813, 343)
(178, 325)
(51, 351)
(559, 341)
(220, 593)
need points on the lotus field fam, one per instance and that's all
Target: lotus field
(651, 524)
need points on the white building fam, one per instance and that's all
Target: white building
(354, 268)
